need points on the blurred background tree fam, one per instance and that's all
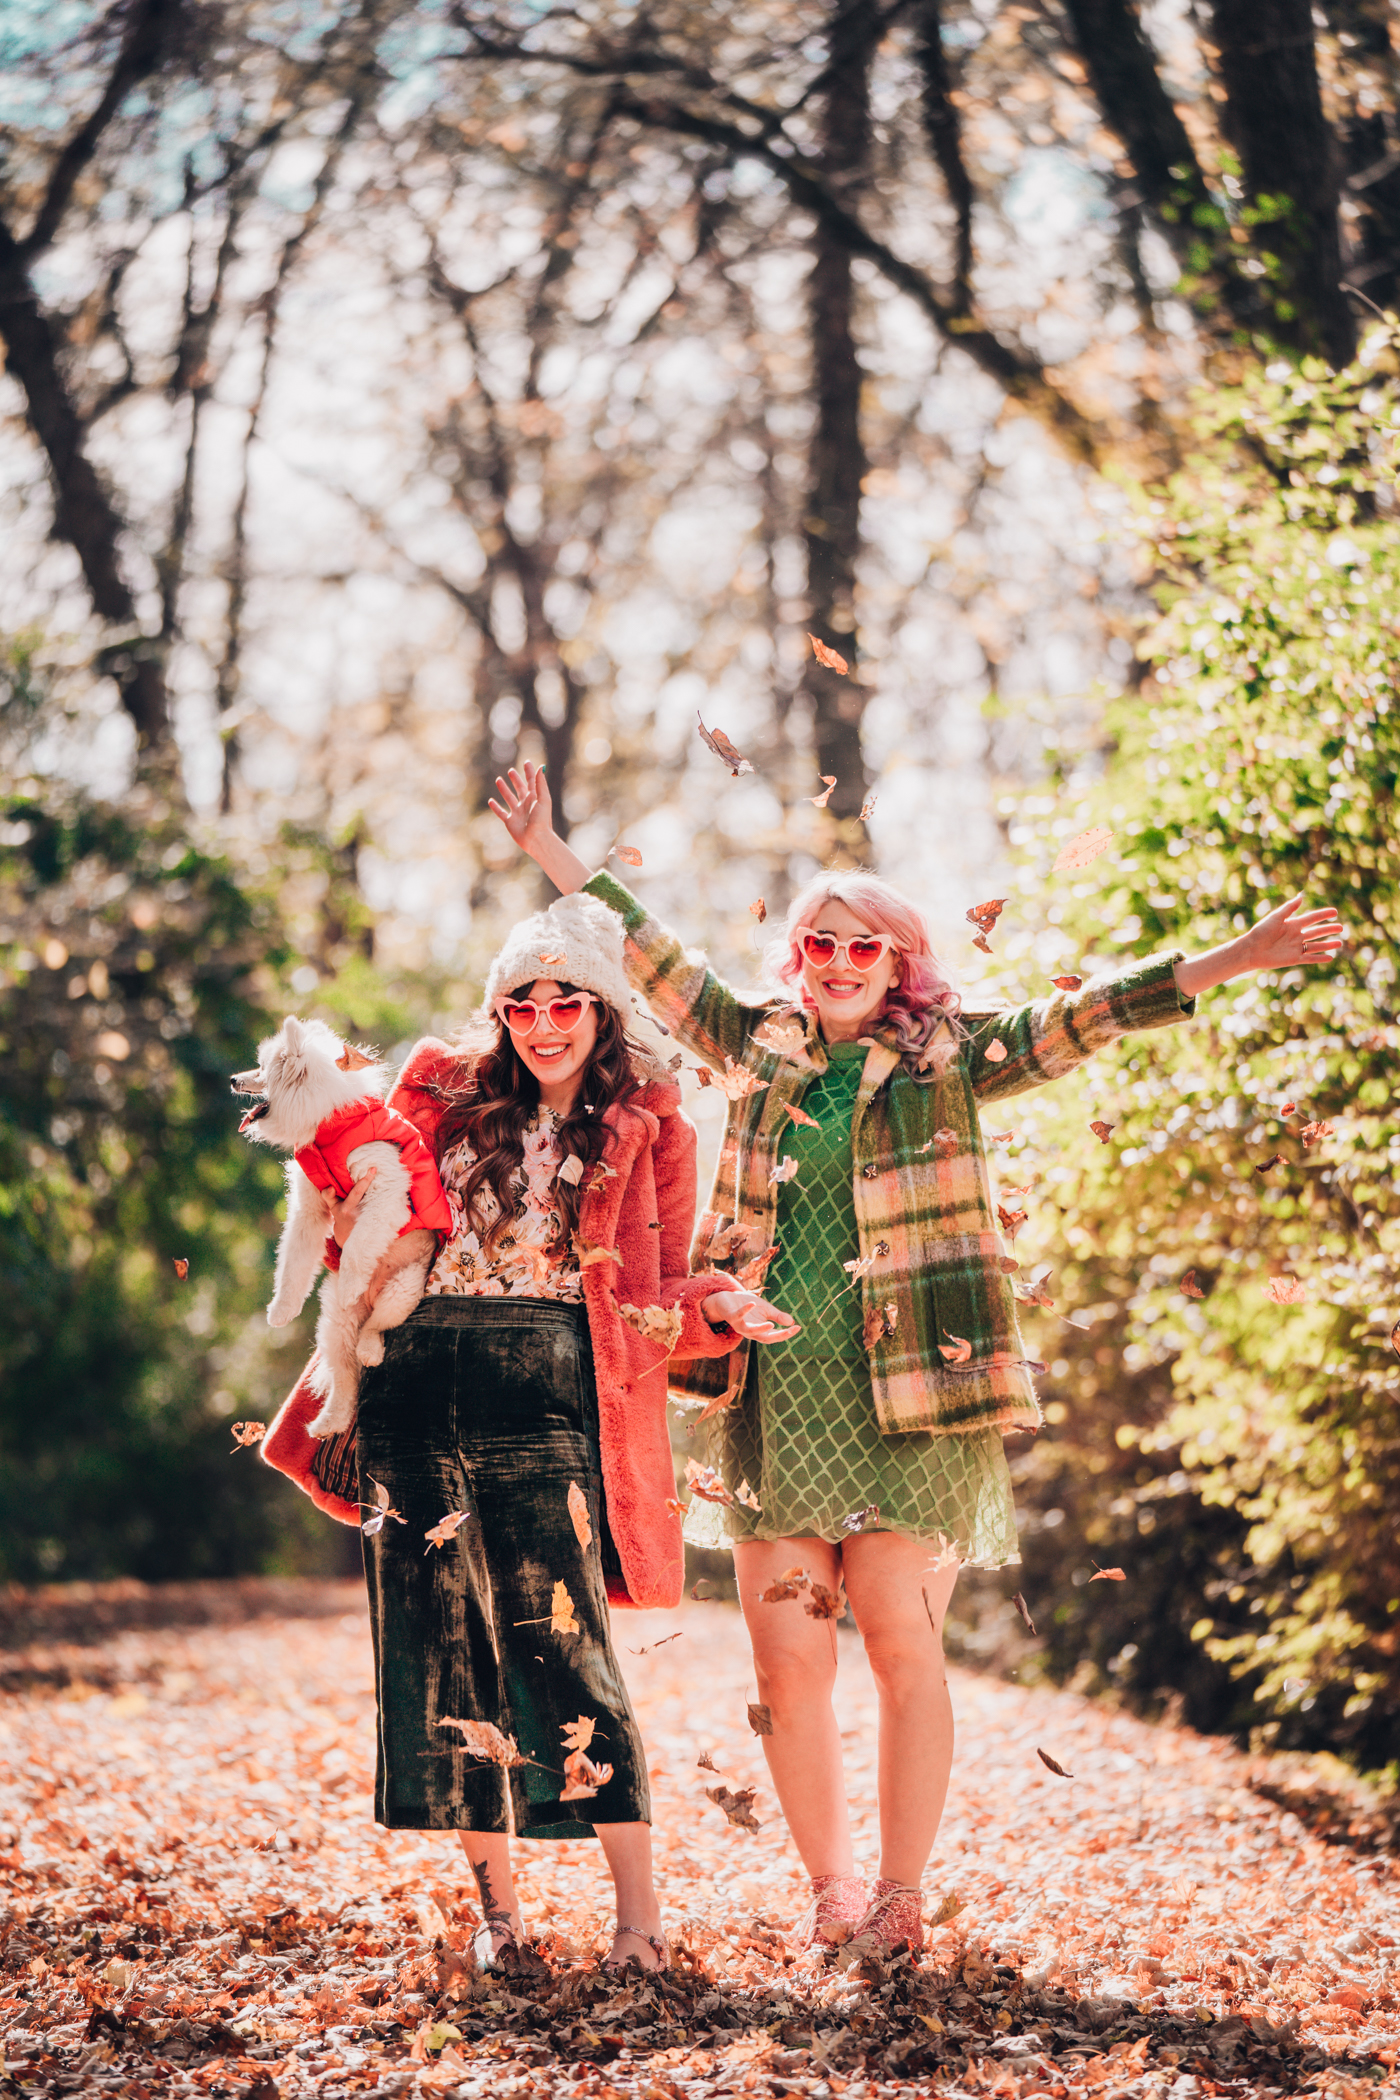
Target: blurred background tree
(393, 393)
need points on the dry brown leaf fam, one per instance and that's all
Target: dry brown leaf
(719, 743)
(823, 1603)
(660, 1324)
(820, 801)
(561, 1611)
(1010, 1221)
(675, 1508)
(945, 1143)
(582, 1778)
(878, 1324)
(578, 1515)
(1290, 1108)
(735, 1083)
(445, 1529)
(1189, 1287)
(570, 1169)
(1077, 852)
(1107, 1574)
(246, 1433)
(745, 1494)
(1068, 983)
(181, 1266)
(862, 1519)
(554, 961)
(759, 909)
(760, 1718)
(1025, 1611)
(827, 656)
(867, 808)
(705, 1482)
(601, 1176)
(996, 1052)
(382, 1507)
(629, 854)
(752, 1273)
(1311, 1133)
(484, 1739)
(1267, 1166)
(578, 1734)
(1052, 1765)
(592, 1253)
(1286, 1290)
(961, 1350)
(783, 1034)
(737, 1806)
(1102, 1131)
(800, 1117)
(785, 1586)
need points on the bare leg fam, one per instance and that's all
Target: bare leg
(794, 1661)
(888, 1579)
(488, 1856)
(627, 1848)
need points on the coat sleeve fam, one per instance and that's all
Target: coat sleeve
(703, 1013)
(1048, 1037)
(291, 1449)
(673, 1163)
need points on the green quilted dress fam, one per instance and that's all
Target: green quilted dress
(804, 1435)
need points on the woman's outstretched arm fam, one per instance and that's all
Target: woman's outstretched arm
(1283, 939)
(527, 811)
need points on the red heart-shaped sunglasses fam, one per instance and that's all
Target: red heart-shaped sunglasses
(522, 1016)
(862, 951)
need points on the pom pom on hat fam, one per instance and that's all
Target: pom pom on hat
(577, 941)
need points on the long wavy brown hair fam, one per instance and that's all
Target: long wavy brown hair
(499, 1094)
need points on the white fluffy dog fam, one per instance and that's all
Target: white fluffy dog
(322, 1101)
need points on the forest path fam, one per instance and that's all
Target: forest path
(196, 1895)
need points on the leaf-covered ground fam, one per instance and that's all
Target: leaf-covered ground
(195, 1900)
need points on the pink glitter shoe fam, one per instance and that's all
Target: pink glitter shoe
(830, 1918)
(894, 1919)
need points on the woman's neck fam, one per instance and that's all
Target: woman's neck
(561, 1098)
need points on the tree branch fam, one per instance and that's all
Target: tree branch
(944, 128)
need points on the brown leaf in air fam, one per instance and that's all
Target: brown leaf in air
(629, 854)
(959, 1353)
(561, 1611)
(737, 1806)
(1267, 1166)
(661, 1324)
(181, 1266)
(800, 1116)
(705, 1482)
(1010, 1221)
(1077, 852)
(785, 1586)
(751, 1273)
(879, 1322)
(996, 1052)
(759, 909)
(484, 1739)
(745, 1495)
(445, 1529)
(705, 1763)
(760, 1718)
(783, 1034)
(1052, 1765)
(591, 1253)
(1290, 1108)
(582, 1778)
(867, 808)
(984, 918)
(1395, 1337)
(1107, 1574)
(1312, 1132)
(578, 1734)
(824, 1603)
(734, 1082)
(1189, 1287)
(1285, 1290)
(245, 1433)
(828, 658)
(1024, 1609)
(862, 1519)
(1102, 1131)
(381, 1508)
(945, 1143)
(601, 1176)
(570, 1169)
(719, 743)
(579, 1517)
(1068, 983)
(820, 801)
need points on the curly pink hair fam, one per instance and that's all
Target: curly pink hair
(924, 995)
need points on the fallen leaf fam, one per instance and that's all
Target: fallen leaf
(582, 1778)
(1068, 983)
(820, 801)
(602, 1173)
(1107, 1574)
(879, 1322)
(959, 1353)
(725, 1245)
(245, 1433)
(984, 918)
(801, 1117)
(705, 1763)
(705, 1482)
(759, 909)
(783, 1034)
(675, 1508)
(1002, 1137)
(578, 1515)
(719, 743)
(751, 1274)
(591, 1253)
(446, 1528)
(484, 1739)
(785, 1586)
(181, 1265)
(1290, 1108)
(570, 1169)
(734, 1082)
(1010, 1221)
(629, 854)
(1024, 1609)
(1189, 1287)
(823, 1603)
(867, 808)
(738, 1806)
(785, 1170)
(1077, 852)
(760, 1719)
(1268, 1165)
(1102, 1131)
(1286, 1290)
(859, 1519)
(827, 656)
(945, 1143)
(947, 1910)
(745, 1494)
(1052, 1764)
(381, 1508)
(996, 1052)
(578, 1734)
(660, 1324)
(561, 1611)
(1310, 1134)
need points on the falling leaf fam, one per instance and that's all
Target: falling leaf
(1052, 1765)
(561, 1611)
(759, 909)
(1268, 1165)
(984, 918)
(1189, 1287)
(745, 1494)
(783, 1034)
(1002, 1137)
(629, 854)
(705, 1763)
(578, 1734)
(1395, 1337)
(570, 1169)
(760, 1718)
(719, 743)
(1010, 1221)
(582, 1778)
(705, 1482)
(801, 1118)
(1286, 1290)
(1024, 1609)
(752, 1273)
(1102, 1131)
(675, 1508)
(734, 1082)
(785, 1170)
(1311, 1133)
(785, 1586)
(725, 1245)
(181, 1266)
(738, 1807)
(1077, 852)
(1290, 1108)
(484, 1739)
(602, 1175)
(382, 1508)
(867, 808)
(1068, 983)
(1034, 1294)
(665, 1641)
(1107, 1574)
(245, 1433)
(446, 1528)
(661, 1324)
(674, 1064)
(827, 656)
(591, 1253)
(820, 801)
(862, 1519)
(879, 1322)
(862, 1265)
(578, 1515)
(961, 1350)
(824, 1603)
(945, 1143)
(947, 1910)
(996, 1052)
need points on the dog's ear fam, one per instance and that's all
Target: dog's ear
(293, 1032)
(352, 1059)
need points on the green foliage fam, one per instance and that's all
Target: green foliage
(1260, 1442)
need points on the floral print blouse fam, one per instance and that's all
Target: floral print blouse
(533, 1259)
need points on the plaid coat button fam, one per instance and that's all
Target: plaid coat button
(870, 1170)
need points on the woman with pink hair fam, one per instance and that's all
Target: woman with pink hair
(862, 1446)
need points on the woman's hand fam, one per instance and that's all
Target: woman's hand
(1282, 940)
(342, 1211)
(525, 808)
(749, 1315)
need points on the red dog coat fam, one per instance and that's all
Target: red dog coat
(326, 1160)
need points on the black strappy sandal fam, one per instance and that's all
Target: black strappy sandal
(659, 1947)
(489, 1956)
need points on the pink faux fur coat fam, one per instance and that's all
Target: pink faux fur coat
(653, 1153)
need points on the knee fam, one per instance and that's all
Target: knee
(786, 1681)
(902, 1667)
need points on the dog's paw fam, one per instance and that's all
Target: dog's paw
(280, 1315)
(334, 1418)
(370, 1347)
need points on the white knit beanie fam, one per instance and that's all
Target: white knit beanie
(577, 941)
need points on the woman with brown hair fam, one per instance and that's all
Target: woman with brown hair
(518, 1424)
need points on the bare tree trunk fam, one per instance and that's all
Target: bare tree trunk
(944, 128)
(1273, 118)
(837, 461)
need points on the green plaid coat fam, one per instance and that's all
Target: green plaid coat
(928, 1221)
